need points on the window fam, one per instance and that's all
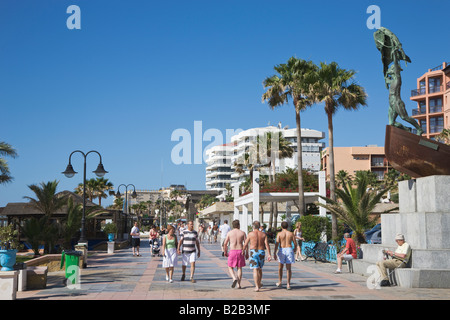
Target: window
(434, 85)
(435, 105)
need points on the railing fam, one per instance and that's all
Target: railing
(448, 85)
(436, 129)
(419, 111)
(435, 109)
(418, 92)
(439, 67)
(434, 89)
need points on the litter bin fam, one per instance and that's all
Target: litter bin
(71, 259)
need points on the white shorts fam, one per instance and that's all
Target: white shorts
(189, 258)
(347, 257)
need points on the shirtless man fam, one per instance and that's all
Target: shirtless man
(258, 243)
(286, 254)
(237, 255)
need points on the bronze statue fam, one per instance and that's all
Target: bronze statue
(406, 152)
(392, 53)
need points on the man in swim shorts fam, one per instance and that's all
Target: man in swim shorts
(286, 254)
(258, 244)
(236, 256)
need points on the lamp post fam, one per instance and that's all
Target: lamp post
(69, 173)
(133, 195)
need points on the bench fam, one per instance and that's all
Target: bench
(318, 252)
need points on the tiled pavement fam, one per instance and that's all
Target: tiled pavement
(121, 276)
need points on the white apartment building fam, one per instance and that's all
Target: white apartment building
(218, 167)
(220, 159)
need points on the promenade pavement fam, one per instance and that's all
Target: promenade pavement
(120, 276)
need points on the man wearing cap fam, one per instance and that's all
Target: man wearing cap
(400, 258)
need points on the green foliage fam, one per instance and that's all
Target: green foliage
(6, 150)
(9, 238)
(313, 226)
(355, 205)
(110, 228)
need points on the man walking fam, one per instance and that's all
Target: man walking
(135, 239)
(237, 255)
(258, 244)
(223, 230)
(189, 241)
(286, 254)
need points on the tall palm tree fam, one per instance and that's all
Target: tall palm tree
(6, 150)
(336, 87)
(293, 81)
(101, 186)
(355, 205)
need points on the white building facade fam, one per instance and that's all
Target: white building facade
(218, 168)
(221, 160)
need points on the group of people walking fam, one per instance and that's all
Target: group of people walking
(236, 246)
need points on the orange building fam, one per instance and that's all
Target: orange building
(432, 97)
(352, 159)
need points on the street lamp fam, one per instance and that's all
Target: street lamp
(133, 195)
(70, 172)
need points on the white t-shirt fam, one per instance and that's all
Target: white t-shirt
(135, 230)
(224, 229)
(404, 249)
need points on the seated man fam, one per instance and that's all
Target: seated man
(399, 259)
(348, 254)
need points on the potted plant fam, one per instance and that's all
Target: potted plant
(110, 229)
(9, 245)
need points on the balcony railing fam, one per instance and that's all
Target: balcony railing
(436, 129)
(422, 91)
(435, 109)
(416, 112)
(418, 92)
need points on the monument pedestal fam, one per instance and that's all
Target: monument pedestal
(424, 219)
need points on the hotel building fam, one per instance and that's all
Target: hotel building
(352, 159)
(432, 98)
(220, 161)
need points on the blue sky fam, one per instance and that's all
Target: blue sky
(138, 70)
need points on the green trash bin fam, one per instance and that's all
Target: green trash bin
(71, 259)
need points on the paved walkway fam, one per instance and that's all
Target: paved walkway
(121, 276)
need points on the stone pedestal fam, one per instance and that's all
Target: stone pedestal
(8, 285)
(424, 219)
(22, 280)
(111, 247)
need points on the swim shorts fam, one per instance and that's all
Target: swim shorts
(236, 259)
(257, 258)
(286, 255)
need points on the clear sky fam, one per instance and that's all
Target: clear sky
(138, 70)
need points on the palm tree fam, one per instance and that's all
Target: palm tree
(355, 205)
(72, 221)
(47, 202)
(342, 175)
(294, 81)
(6, 150)
(336, 87)
(91, 189)
(101, 186)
